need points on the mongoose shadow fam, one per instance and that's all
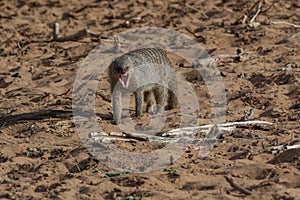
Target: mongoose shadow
(142, 72)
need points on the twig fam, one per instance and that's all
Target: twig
(286, 23)
(264, 11)
(294, 35)
(190, 31)
(55, 31)
(96, 134)
(104, 97)
(276, 149)
(254, 5)
(103, 137)
(137, 137)
(248, 114)
(107, 140)
(76, 36)
(237, 187)
(244, 17)
(261, 124)
(286, 67)
(187, 131)
(219, 56)
(93, 33)
(196, 9)
(117, 44)
(257, 12)
(39, 115)
(242, 57)
(289, 38)
(230, 126)
(78, 168)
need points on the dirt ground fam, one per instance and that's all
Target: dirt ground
(41, 154)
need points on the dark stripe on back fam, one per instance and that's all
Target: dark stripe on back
(151, 55)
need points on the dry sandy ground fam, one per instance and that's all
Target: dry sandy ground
(44, 158)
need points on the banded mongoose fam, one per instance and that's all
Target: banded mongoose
(144, 72)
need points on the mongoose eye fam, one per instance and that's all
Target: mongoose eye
(118, 69)
(124, 70)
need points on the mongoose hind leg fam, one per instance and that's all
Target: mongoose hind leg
(149, 102)
(161, 95)
(172, 100)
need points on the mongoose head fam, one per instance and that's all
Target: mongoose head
(120, 67)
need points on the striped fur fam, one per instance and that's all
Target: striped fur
(144, 66)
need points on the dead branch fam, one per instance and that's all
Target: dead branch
(183, 136)
(261, 124)
(103, 137)
(195, 9)
(190, 31)
(276, 149)
(248, 114)
(237, 187)
(97, 134)
(77, 166)
(180, 136)
(104, 97)
(226, 127)
(55, 31)
(73, 37)
(286, 67)
(202, 130)
(246, 16)
(107, 140)
(117, 43)
(39, 115)
(265, 10)
(257, 12)
(254, 5)
(137, 137)
(286, 23)
(294, 35)
(240, 57)
(289, 38)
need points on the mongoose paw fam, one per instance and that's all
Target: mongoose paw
(116, 122)
(150, 109)
(138, 114)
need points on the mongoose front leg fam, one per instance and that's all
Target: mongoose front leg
(148, 101)
(172, 100)
(117, 106)
(139, 100)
